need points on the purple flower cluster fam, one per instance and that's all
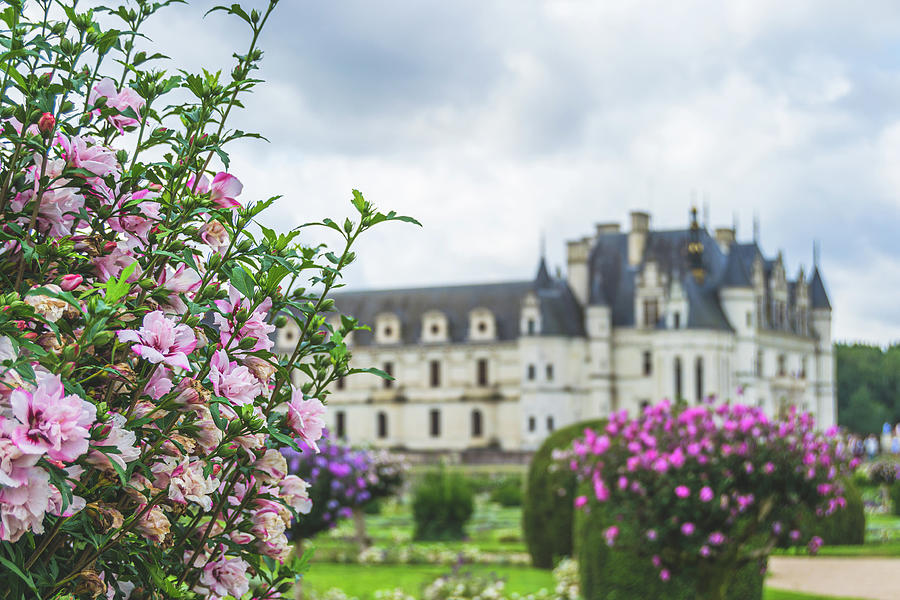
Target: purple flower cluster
(711, 480)
(341, 478)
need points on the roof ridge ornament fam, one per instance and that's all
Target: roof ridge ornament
(695, 249)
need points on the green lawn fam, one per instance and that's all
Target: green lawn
(363, 580)
(772, 594)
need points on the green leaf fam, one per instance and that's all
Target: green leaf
(26, 578)
(373, 371)
(284, 439)
(117, 288)
(242, 281)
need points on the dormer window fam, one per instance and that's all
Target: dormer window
(387, 329)
(651, 312)
(530, 317)
(482, 326)
(435, 327)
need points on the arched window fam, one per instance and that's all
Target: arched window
(382, 425)
(476, 423)
(677, 369)
(698, 377)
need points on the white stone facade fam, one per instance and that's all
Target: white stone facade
(641, 316)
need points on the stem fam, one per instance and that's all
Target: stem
(45, 542)
(328, 284)
(112, 541)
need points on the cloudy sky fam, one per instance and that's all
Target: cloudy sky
(494, 122)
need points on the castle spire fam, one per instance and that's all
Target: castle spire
(695, 249)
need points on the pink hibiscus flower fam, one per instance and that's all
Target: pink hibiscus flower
(304, 416)
(237, 383)
(223, 191)
(160, 340)
(120, 100)
(51, 422)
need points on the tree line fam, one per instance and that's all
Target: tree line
(868, 386)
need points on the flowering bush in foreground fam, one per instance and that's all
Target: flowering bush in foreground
(142, 408)
(712, 487)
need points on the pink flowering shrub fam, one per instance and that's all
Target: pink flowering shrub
(710, 489)
(143, 409)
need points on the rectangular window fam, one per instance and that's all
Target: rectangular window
(532, 326)
(676, 321)
(749, 319)
(782, 365)
(549, 372)
(341, 383)
(532, 423)
(435, 419)
(549, 423)
(803, 368)
(382, 425)
(648, 363)
(759, 364)
(389, 369)
(531, 372)
(435, 373)
(340, 424)
(482, 372)
(651, 312)
(476, 423)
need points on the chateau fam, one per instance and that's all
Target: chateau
(640, 316)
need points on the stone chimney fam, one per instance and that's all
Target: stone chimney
(604, 228)
(725, 237)
(578, 252)
(637, 237)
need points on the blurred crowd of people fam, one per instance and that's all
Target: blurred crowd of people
(872, 445)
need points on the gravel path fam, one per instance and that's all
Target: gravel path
(866, 577)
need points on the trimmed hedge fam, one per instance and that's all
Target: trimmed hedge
(442, 505)
(509, 492)
(617, 574)
(895, 497)
(547, 510)
(845, 527)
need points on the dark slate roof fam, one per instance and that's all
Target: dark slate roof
(739, 266)
(560, 312)
(613, 280)
(817, 296)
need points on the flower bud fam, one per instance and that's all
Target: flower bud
(89, 584)
(103, 338)
(247, 343)
(70, 282)
(46, 123)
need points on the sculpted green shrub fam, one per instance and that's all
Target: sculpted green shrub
(443, 503)
(846, 526)
(713, 488)
(547, 510)
(508, 492)
(895, 498)
(609, 573)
